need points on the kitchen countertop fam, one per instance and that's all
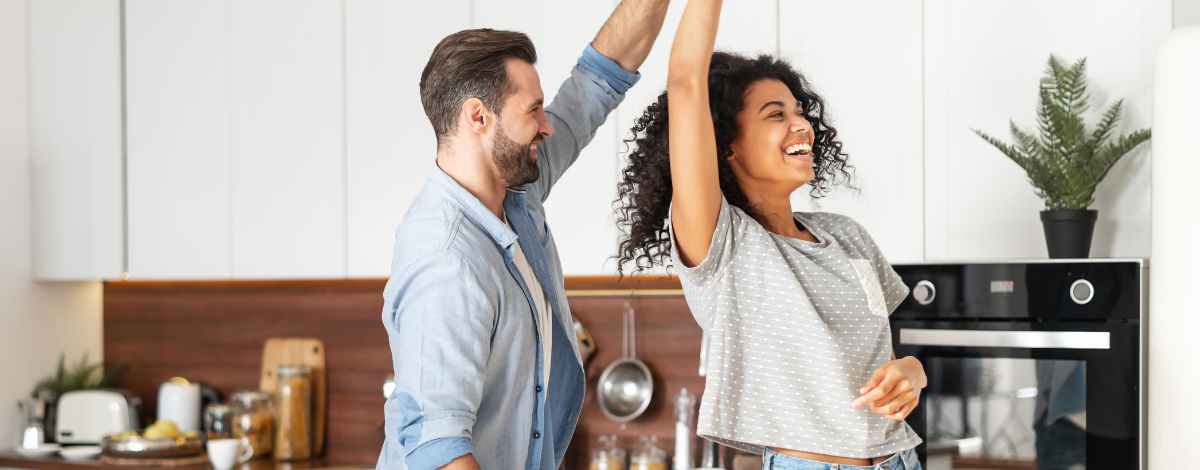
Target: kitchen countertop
(12, 459)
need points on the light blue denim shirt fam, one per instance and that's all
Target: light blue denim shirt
(459, 316)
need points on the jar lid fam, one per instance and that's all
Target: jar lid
(249, 396)
(292, 369)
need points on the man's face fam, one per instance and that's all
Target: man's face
(521, 126)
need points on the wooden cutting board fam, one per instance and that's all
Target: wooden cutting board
(298, 351)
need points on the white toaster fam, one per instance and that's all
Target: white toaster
(86, 416)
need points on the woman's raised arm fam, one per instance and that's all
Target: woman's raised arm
(696, 188)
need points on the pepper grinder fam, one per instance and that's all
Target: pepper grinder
(685, 405)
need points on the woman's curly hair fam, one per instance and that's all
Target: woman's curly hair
(644, 193)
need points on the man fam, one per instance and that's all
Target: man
(488, 373)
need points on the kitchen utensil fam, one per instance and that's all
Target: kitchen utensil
(587, 345)
(710, 456)
(224, 453)
(608, 456)
(303, 351)
(44, 450)
(626, 385)
(179, 402)
(86, 416)
(389, 385)
(32, 424)
(685, 408)
(138, 447)
(80, 452)
(254, 419)
(218, 421)
(649, 457)
(293, 438)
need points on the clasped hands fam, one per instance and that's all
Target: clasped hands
(893, 389)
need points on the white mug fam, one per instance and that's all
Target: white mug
(224, 453)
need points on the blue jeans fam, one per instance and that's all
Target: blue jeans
(772, 460)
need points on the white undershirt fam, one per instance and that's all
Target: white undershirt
(542, 304)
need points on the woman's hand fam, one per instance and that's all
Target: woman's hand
(894, 389)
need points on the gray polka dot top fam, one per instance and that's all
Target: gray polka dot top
(795, 328)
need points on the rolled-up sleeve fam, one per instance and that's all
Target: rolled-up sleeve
(596, 86)
(439, 317)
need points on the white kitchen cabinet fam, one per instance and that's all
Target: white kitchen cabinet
(983, 61)
(866, 64)
(177, 68)
(579, 207)
(75, 139)
(390, 145)
(288, 188)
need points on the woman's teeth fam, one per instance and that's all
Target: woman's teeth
(798, 149)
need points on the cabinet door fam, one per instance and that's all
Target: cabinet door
(75, 139)
(866, 64)
(287, 142)
(178, 124)
(579, 207)
(390, 145)
(979, 74)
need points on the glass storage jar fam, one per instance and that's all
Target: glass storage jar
(293, 437)
(608, 456)
(649, 457)
(253, 419)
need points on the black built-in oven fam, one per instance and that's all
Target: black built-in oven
(1035, 364)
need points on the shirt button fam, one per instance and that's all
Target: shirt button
(537, 435)
(539, 389)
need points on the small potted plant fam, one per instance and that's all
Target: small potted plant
(1064, 162)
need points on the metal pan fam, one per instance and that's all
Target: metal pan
(626, 385)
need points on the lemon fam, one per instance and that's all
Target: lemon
(161, 430)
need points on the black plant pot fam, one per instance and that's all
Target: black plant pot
(1069, 232)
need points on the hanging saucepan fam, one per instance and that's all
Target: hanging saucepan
(626, 385)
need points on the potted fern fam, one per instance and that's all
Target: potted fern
(1064, 162)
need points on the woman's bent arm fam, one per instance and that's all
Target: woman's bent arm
(696, 188)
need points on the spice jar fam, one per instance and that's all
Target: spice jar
(293, 439)
(649, 457)
(253, 419)
(608, 456)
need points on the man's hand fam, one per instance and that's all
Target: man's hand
(466, 462)
(894, 389)
(629, 33)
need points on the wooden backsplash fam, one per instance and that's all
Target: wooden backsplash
(213, 332)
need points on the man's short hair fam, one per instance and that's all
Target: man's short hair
(470, 64)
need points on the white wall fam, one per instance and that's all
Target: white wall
(982, 64)
(37, 320)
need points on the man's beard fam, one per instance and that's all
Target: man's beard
(512, 160)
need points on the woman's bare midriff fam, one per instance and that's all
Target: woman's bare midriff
(831, 458)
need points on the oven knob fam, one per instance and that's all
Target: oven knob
(924, 292)
(1082, 291)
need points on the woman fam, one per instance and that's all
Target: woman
(795, 304)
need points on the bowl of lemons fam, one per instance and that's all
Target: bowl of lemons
(159, 440)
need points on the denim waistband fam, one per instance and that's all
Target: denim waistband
(772, 460)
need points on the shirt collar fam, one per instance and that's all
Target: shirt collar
(473, 209)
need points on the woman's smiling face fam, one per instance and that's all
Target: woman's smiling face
(774, 143)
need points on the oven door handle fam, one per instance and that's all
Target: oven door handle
(1006, 338)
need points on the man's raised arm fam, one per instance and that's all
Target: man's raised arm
(606, 70)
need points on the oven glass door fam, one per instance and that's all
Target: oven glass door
(1021, 395)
